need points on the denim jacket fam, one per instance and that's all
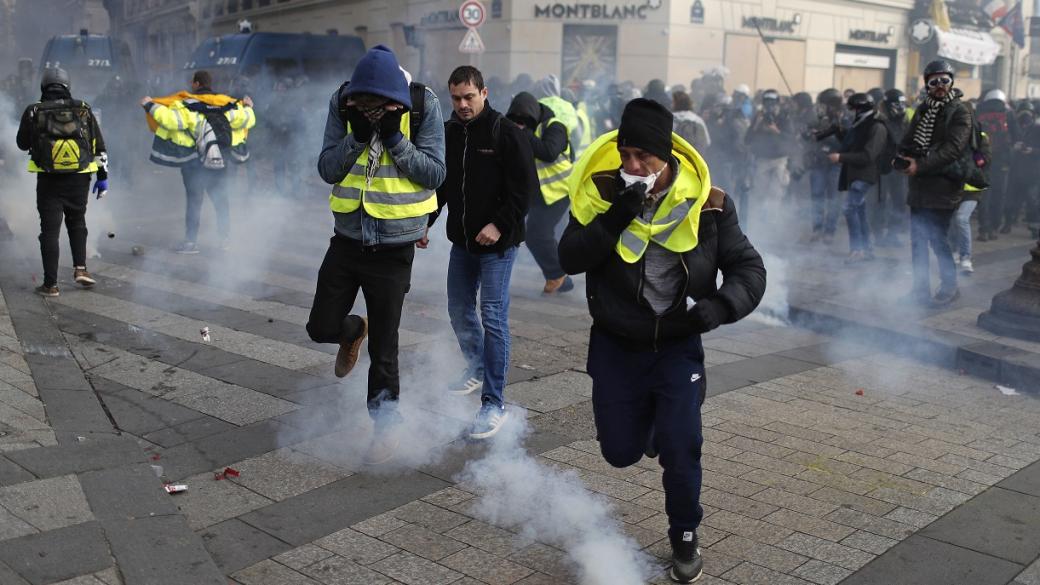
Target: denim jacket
(421, 158)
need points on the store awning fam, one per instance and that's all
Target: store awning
(967, 46)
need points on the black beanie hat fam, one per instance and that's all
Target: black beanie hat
(647, 125)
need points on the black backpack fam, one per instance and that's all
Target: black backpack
(884, 161)
(63, 136)
(417, 92)
(215, 116)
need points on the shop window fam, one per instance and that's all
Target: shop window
(232, 6)
(263, 3)
(218, 8)
(247, 4)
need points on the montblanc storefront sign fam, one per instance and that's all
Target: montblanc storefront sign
(581, 11)
(771, 24)
(869, 36)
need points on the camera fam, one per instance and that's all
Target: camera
(901, 164)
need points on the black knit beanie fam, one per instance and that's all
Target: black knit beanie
(647, 125)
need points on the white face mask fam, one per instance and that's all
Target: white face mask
(648, 180)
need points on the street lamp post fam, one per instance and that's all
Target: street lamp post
(1016, 311)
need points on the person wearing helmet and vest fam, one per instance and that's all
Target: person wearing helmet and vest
(938, 138)
(861, 147)
(184, 124)
(547, 124)
(384, 166)
(1025, 168)
(651, 234)
(65, 148)
(769, 140)
(823, 174)
(890, 223)
(997, 120)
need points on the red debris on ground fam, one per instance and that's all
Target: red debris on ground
(156, 457)
(859, 392)
(228, 473)
(175, 488)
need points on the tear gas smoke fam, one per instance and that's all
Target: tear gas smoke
(518, 492)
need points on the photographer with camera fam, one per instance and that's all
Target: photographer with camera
(769, 141)
(935, 143)
(824, 174)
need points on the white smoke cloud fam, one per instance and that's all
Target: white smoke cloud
(552, 506)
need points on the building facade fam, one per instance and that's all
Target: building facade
(790, 45)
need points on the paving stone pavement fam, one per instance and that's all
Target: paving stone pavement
(826, 461)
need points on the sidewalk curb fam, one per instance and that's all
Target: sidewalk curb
(1001, 364)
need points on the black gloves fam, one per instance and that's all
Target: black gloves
(627, 204)
(708, 314)
(359, 125)
(390, 127)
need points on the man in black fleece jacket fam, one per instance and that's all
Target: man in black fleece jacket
(490, 179)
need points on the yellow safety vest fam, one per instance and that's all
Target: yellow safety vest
(388, 194)
(552, 176)
(677, 220)
(585, 124)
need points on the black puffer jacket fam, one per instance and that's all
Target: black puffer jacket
(931, 187)
(613, 287)
(491, 177)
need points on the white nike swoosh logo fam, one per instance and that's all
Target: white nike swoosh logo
(695, 377)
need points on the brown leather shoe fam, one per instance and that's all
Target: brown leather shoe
(349, 351)
(83, 278)
(558, 285)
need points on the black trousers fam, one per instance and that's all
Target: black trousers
(384, 277)
(61, 196)
(542, 221)
(991, 204)
(198, 181)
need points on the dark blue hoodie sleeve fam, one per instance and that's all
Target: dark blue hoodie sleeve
(339, 150)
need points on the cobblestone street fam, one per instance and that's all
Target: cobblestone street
(826, 461)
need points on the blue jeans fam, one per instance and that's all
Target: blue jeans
(962, 227)
(928, 227)
(856, 216)
(484, 342)
(823, 182)
(634, 391)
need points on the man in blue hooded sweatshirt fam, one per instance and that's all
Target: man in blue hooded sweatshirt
(384, 155)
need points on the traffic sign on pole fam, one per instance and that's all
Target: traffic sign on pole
(472, 13)
(471, 43)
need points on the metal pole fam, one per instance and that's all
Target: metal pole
(773, 57)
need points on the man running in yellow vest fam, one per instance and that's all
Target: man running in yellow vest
(184, 121)
(384, 155)
(549, 137)
(651, 235)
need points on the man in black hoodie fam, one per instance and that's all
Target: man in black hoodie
(65, 147)
(550, 144)
(490, 178)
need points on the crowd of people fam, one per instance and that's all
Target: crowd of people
(653, 181)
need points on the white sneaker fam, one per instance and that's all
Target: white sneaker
(966, 266)
(489, 421)
(469, 386)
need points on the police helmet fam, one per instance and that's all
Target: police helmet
(55, 76)
(861, 102)
(829, 97)
(939, 67)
